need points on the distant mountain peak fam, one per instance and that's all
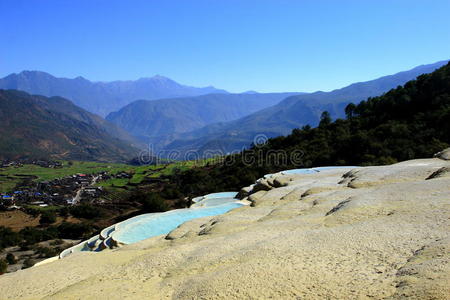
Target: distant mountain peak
(155, 78)
(32, 72)
(41, 74)
(160, 77)
(28, 73)
(101, 97)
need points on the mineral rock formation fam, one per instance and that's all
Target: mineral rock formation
(445, 155)
(375, 232)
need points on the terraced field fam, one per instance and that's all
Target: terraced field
(11, 176)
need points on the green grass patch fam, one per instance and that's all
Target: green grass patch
(44, 208)
(114, 182)
(14, 175)
(137, 178)
(8, 184)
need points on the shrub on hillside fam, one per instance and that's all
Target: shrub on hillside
(85, 211)
(28, 263)
(3, 266)
(151, 202)
(47, 217)
(32, 235)
(64, 212)
(74, 231)
(11, 259)
(8, 237)
(45, 252)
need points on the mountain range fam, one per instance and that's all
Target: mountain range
(160, 121)
(292, 112)
(100, 97)
(39, 127)
(205, 120)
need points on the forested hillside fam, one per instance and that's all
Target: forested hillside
(293, 112)
(39, 127)
(408, 122)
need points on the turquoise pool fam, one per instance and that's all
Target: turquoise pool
(213, 202)
(221, 195)
(214, 199)
(314, 170)
(147, 226)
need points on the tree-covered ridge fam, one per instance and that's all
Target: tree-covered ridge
(407, 122)
(293, 112)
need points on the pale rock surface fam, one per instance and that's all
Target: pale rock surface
(445, 155)
(376, 232)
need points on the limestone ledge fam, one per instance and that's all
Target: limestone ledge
(375, 232)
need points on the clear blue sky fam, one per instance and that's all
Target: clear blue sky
(238, 45)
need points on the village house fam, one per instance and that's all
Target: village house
(60, 191)
(7, 200)
(123, 175)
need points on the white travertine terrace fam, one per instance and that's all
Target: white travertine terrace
(375, 232)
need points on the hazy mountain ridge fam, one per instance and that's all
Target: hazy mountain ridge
(100, 97)
(37, 126)
(293, 112)
(160, 121)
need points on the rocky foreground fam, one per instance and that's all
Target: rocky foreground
(375, 232)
